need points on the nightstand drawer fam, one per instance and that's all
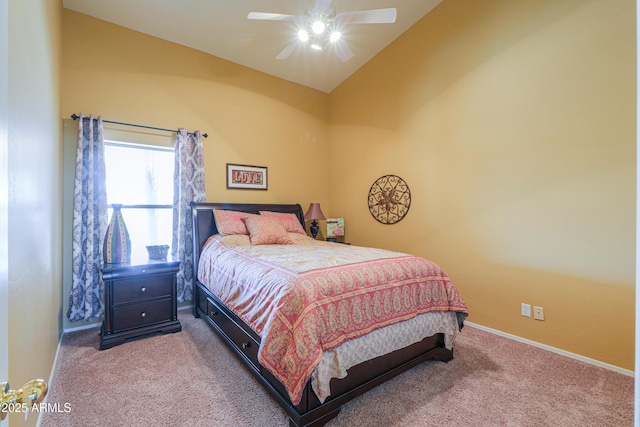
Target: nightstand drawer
(136, 315)
(142, 288)
(122, 271)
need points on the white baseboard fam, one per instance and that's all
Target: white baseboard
(53, 370)
(553, 349)
(81, 328)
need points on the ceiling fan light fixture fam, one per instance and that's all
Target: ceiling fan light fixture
(303, 35)
(318, 27)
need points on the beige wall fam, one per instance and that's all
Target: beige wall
(514, 125)
(251, 118)
(34, 212)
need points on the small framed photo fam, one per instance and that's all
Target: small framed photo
(246, 177)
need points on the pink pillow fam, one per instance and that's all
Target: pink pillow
(290, 221)
(230, 222)
(265, 230)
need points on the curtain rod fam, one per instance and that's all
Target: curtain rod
(76, 117)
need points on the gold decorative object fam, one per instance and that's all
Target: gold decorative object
(389, 199)
(32, 393)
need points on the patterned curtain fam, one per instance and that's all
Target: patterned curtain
(188, 187)
(89, 221)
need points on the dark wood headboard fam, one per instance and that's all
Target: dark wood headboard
(204, 226)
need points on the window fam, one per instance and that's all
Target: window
(140, 178)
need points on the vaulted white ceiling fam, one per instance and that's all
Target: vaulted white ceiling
(221, 28)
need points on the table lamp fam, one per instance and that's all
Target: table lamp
(314, 213)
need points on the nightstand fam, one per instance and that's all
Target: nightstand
(140, 300)
(334, 240)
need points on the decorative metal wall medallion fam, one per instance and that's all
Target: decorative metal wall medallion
(389, 199)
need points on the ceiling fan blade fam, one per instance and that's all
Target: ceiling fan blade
(270, 16)
(287, 51)
(322, 5)
(374, 16)
(344, 52)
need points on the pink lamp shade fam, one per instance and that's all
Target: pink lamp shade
(314, 212)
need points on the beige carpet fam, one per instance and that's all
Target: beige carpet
(191, 379)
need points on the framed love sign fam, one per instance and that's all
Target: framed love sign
(245, 177)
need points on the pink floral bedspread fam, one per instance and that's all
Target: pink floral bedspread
(310, 297)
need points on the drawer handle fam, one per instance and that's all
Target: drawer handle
(246, 345)
(212, 313)
(143, 289)
(143, 314)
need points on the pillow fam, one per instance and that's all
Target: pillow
(290, 221)
(265, 230)
(230, 222)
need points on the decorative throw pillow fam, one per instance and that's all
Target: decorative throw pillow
(264, 230)
(290, 221)
(231, 222)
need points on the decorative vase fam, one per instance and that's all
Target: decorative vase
(116, 248)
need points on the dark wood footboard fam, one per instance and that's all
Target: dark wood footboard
(244, 342)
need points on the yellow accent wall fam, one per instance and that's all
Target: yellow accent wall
(513, 123)
(251, 118)
(34, 194)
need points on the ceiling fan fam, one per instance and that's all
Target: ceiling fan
(320, 27)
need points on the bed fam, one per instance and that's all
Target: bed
(290, 331)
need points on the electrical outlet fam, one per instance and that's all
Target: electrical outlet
(525, 310)
(538, 313)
